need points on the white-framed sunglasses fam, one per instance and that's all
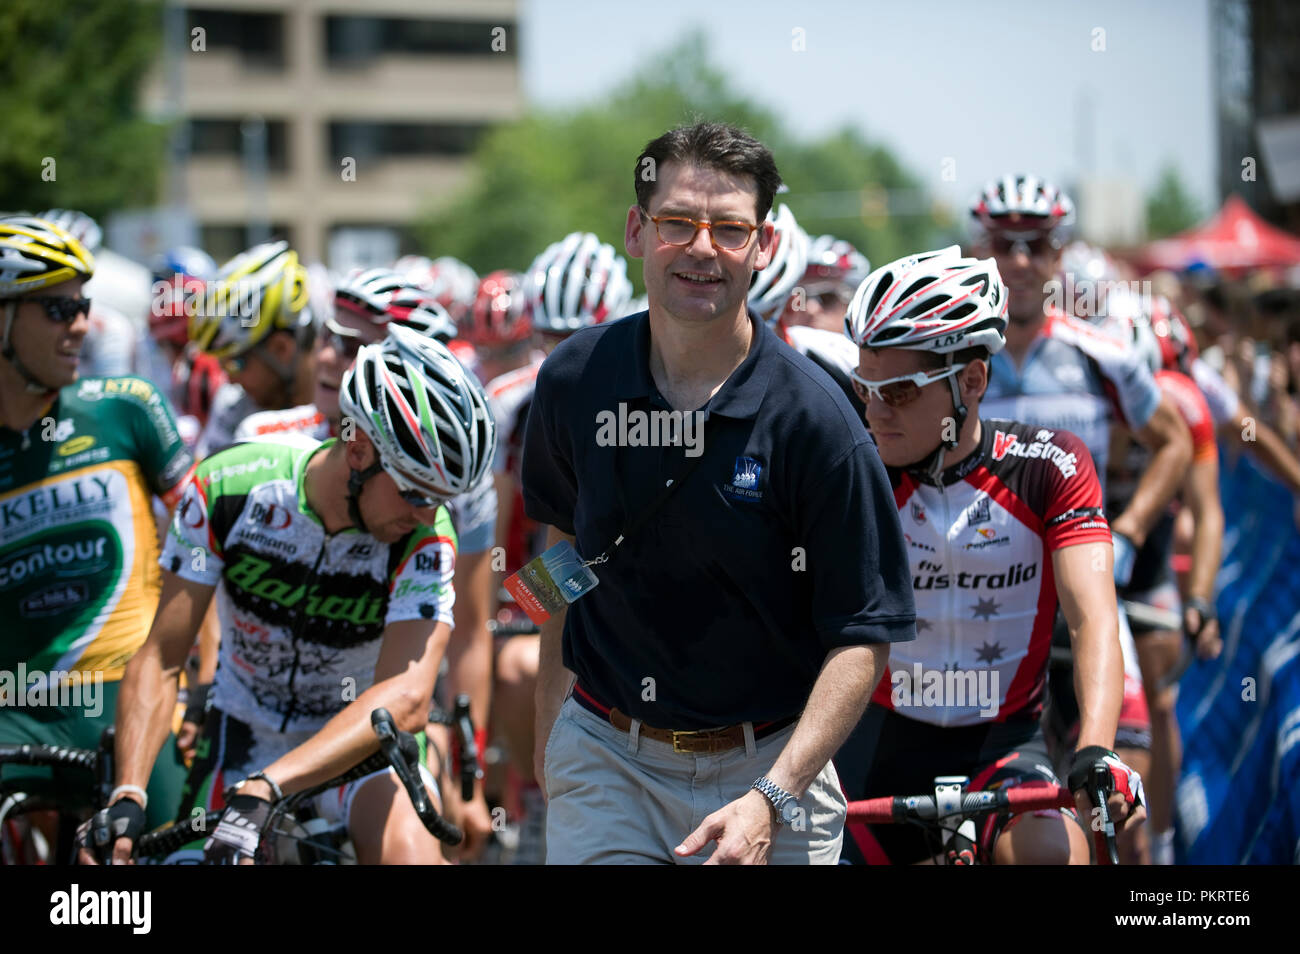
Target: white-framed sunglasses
(415, 495)
(900, 391)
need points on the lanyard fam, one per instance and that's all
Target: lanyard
(659, 498)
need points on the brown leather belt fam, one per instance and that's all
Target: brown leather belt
(693, 742)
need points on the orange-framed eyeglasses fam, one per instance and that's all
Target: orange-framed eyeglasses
(728, 235)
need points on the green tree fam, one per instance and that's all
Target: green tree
(72, 72)
(1170, 207)
(555, 172)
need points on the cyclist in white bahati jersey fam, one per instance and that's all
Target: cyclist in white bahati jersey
(364, 306)
(332, 568)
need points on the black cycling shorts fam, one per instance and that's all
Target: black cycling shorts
(890, 754)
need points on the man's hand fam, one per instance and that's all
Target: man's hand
(743, 830)
(472, 817)
(236, 837)
(122, 822)
(1126, 802)
(1205, 631)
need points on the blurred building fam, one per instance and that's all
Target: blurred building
(1257, 100)
(332, 123)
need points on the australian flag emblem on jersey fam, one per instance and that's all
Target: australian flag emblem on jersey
(744, 482)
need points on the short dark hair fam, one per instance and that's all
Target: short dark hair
(712, 145)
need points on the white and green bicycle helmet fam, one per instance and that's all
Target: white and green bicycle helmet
(427, 417)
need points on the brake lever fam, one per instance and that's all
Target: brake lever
(386, 729)
(471, 769)
(1099, 788)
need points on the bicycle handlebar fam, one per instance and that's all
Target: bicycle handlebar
(390, 745)
(891, 809)
(54, 755)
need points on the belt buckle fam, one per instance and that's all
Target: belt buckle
(709, 734)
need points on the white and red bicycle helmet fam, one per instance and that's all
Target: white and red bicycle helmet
(1022, 202)
(382, 295)
(577, 282)
(934, 301)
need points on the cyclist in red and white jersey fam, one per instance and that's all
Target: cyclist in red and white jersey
(364, 307)
(771, 292)
(1002, 519)
(1062, 373)
(574, 283)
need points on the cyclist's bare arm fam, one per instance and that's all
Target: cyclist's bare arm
(147, 700)
(469, 653)
(1170, 443)
(469, 670)
(553, 680)
(1201, 495)
(1085, 587)
(1253, 435)
(404, 678)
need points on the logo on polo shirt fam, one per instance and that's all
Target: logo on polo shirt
(744, 483)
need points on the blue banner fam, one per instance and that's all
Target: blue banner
(1238, 799)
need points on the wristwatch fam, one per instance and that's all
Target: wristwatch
(785, 805)
(275, 789)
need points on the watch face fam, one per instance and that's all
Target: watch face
(790, 811)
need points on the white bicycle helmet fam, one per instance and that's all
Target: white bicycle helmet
(770, 288)
(427, 417)
(577, 282)
(382, 295)
(1025, 201)
(77, 224)
(255, 293)
(935, 301)
(451, 282)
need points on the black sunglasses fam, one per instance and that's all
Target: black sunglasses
(60, 308)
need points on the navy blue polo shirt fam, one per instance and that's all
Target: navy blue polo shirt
(782, 544)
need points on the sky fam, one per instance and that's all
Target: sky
(997, 87)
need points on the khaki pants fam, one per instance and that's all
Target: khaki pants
(616, 798)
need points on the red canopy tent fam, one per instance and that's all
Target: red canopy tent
(1235, 239)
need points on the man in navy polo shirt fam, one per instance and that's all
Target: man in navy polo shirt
(738, 630)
